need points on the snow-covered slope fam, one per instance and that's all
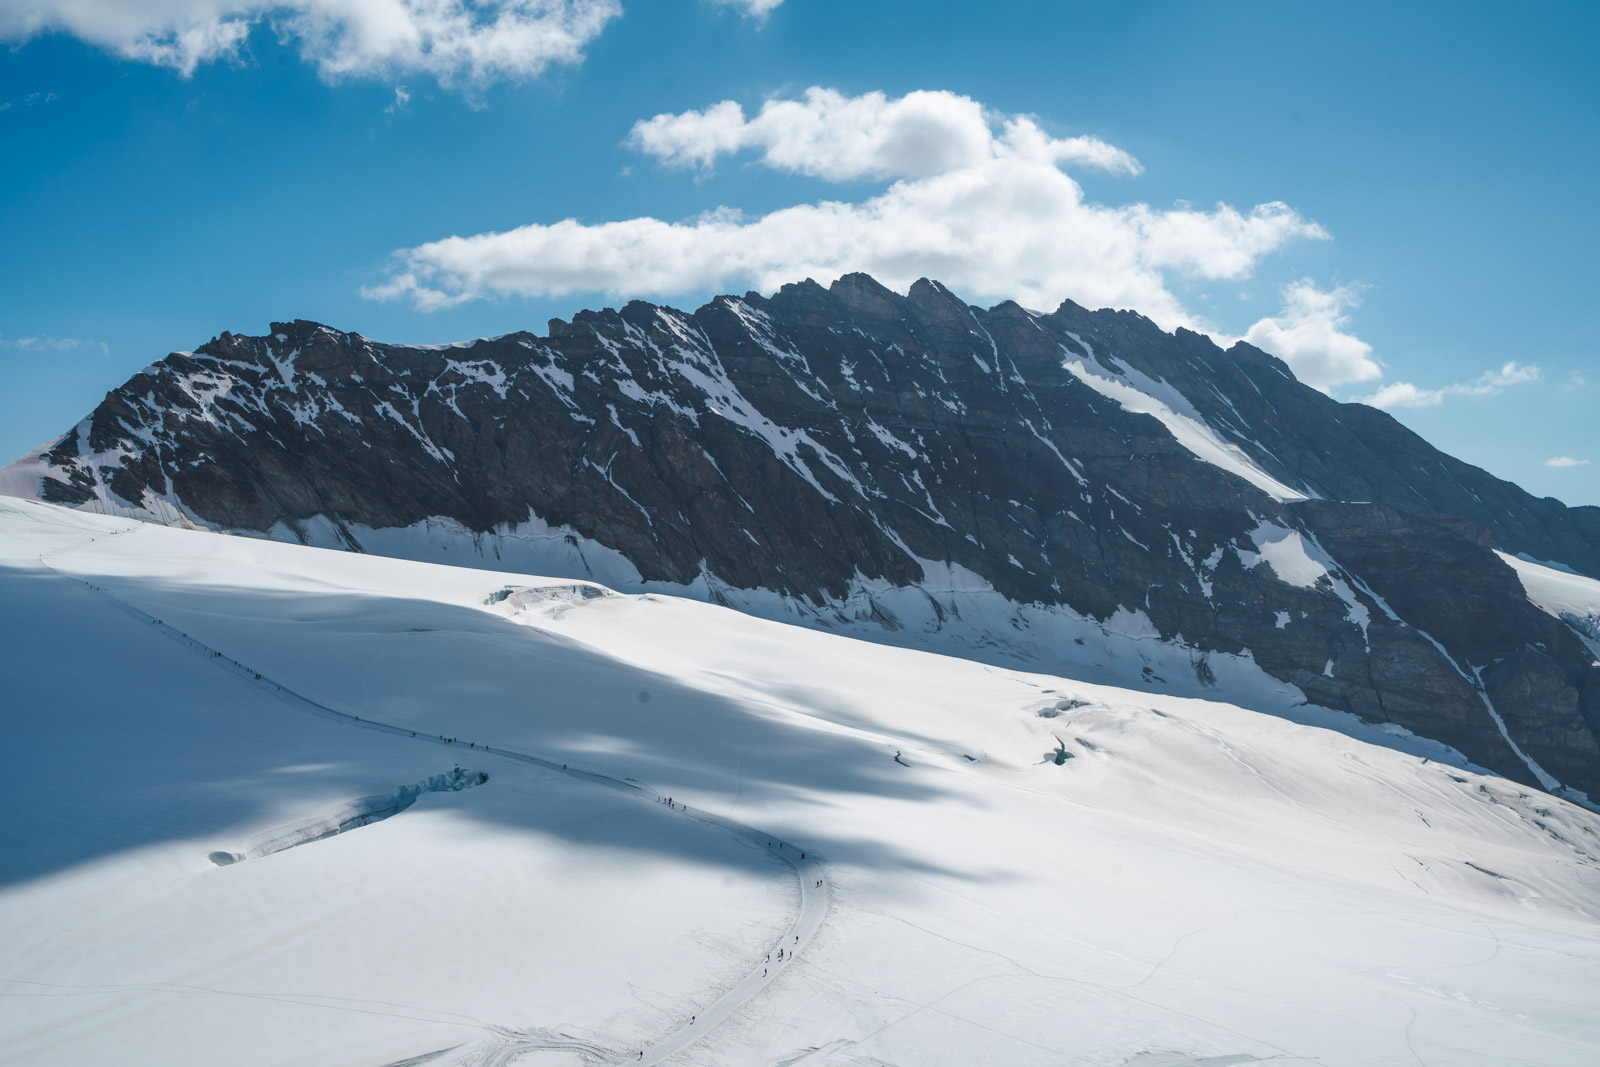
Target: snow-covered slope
(1572, 598)
(1000, 867)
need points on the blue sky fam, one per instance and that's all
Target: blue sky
(169, 173)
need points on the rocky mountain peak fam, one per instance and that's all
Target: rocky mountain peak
(1078, 487)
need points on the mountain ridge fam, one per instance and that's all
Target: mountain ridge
(828, 446)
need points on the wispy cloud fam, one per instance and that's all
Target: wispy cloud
(402, 97)
(32, 99)
(468, 42)
(1575, 380)
(53, 344)
(1565, 461)
(1490, 383)
(756, 9)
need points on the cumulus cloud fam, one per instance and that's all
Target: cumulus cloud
(471, 42)
(1308, 336)
(1565, 461)
(1489, 383)
(829, 135)
(1404, 395)
(981, 202)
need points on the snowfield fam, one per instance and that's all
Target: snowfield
(1000, 868)
(1572, 598)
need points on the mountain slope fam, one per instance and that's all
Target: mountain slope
(908, 465)
(1025, 869)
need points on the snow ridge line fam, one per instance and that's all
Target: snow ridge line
(809, 869)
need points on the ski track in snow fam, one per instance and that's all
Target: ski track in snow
(810, 872)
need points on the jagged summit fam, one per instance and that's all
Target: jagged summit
(853, 457)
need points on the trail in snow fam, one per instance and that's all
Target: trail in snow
(809, 869)
(514, 1043)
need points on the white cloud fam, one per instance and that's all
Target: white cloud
(1404, 395)
(1489, 383)
(1307, 335)
(756, 9)
(1575, 380)
(693, 138)
(1565, 461)
(472, 42)
(837, 137)
(402, 97)
(52, 344)
(981, 203)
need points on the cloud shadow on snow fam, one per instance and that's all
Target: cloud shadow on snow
(119, 737)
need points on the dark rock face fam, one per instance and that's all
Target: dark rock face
(822, 439)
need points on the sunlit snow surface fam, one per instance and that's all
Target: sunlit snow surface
(1572, 598)
(1191, 883)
